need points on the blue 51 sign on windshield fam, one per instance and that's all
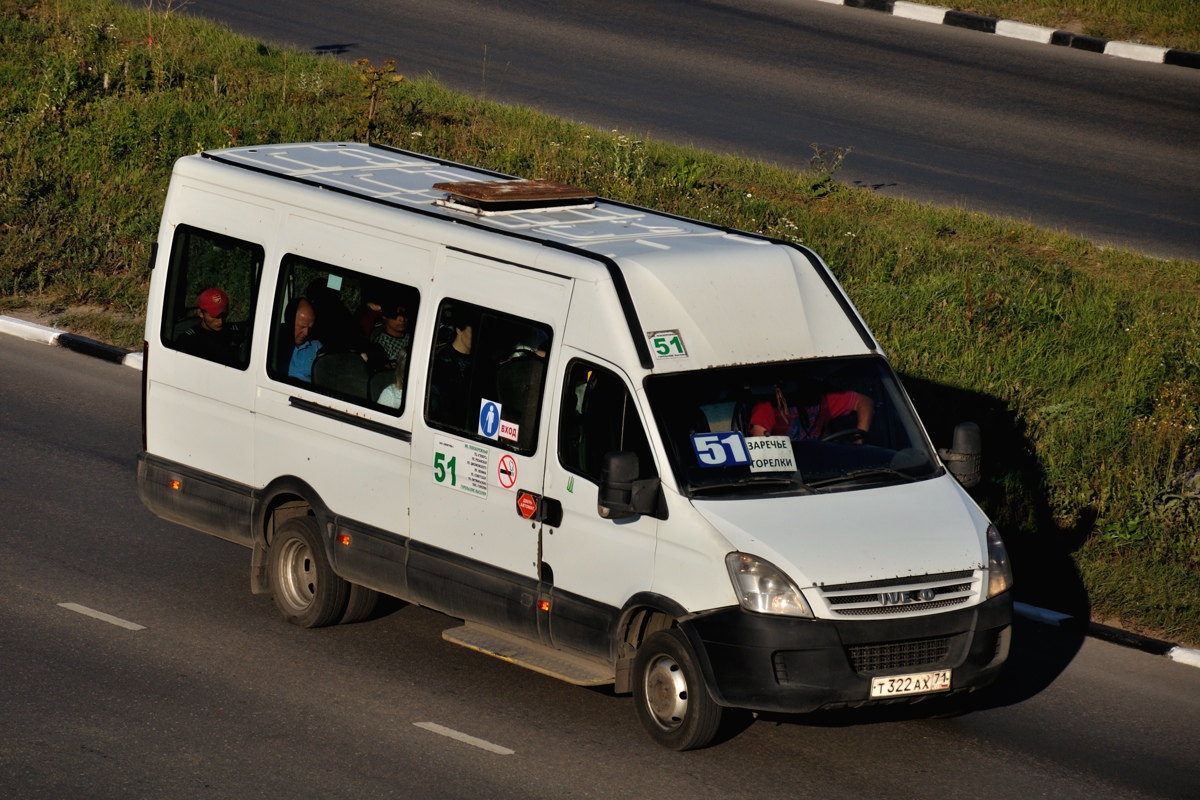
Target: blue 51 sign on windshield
(726, 449)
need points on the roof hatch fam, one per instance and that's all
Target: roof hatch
(498, 197)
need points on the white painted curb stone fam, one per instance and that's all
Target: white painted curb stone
(1184, 656)
(1024, 31)
(1138, 52)
(920, 12)
(30, 331)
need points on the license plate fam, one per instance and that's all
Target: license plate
(917, 683)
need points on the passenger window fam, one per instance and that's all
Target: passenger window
(342, 333)
(212, 285)
(599, 416)
(487, 375)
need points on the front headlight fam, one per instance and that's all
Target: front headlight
(999, 572)
(762, 587)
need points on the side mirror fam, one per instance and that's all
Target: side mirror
(965, 455)
(622, 495)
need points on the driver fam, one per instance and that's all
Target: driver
(809, 418)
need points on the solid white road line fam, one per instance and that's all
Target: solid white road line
(100, 615)
(462, 737)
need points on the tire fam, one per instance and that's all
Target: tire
(360, 605)
(669, 694)
(306, 590)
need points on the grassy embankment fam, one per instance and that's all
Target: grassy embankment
(1164, 23)
(1081, 363)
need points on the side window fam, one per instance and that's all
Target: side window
(599, 416)
(212, 285)
(342, 333)
(487, 375)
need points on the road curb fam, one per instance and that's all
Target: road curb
(33, 332)
(82, 344)
(937, 15)
(1108, 633)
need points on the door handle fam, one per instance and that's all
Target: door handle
(539, 508)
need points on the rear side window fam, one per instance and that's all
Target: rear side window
(212, 286)
(487, 375)
(342, 333)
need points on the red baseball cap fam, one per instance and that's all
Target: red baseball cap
(213, 302)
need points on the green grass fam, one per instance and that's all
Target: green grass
(1165, 23)
(1081, 363)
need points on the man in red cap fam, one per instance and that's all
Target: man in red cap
(212, 339)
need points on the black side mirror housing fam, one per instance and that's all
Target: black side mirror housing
(622, 495)
(965, 455)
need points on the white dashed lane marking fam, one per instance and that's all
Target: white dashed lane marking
(100, 615)
(482, 744)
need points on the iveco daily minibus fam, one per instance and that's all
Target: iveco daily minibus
(616, 446)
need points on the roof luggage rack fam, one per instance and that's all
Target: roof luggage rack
(498, 197)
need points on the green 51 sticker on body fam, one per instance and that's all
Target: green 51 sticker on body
(667, 344)
(461, 465)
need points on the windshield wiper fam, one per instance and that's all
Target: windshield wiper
(873, 472)
(753, 482)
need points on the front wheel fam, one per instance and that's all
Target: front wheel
(305, 588)
(672, 702)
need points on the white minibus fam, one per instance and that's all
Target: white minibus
(615, 445)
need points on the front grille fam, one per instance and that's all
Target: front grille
(901, 596)
(911, 608)
(868, 658)
(887, 582)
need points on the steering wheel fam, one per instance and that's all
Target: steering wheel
(857, 434)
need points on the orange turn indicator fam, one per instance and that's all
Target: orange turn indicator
(344, 538)
(176, 484)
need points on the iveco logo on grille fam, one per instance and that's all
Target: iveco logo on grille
(900, 598)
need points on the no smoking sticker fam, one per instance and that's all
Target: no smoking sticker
(506, 471)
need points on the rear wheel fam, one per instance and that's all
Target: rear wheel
(305, 588)
(669, 694)
(360, 605)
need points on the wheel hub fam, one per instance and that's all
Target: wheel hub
(299, 576)
(666, 692)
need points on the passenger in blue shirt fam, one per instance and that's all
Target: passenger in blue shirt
(304, 350)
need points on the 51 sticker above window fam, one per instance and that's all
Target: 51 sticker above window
(667, 344)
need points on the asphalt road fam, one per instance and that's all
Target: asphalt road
(1097, 146)
(216, 696)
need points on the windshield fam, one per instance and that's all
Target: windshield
(789, 428)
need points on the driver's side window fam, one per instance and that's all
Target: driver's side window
(599, 416)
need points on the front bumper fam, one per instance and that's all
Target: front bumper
(771, 663)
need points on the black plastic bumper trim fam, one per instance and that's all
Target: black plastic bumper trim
(788, 665)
